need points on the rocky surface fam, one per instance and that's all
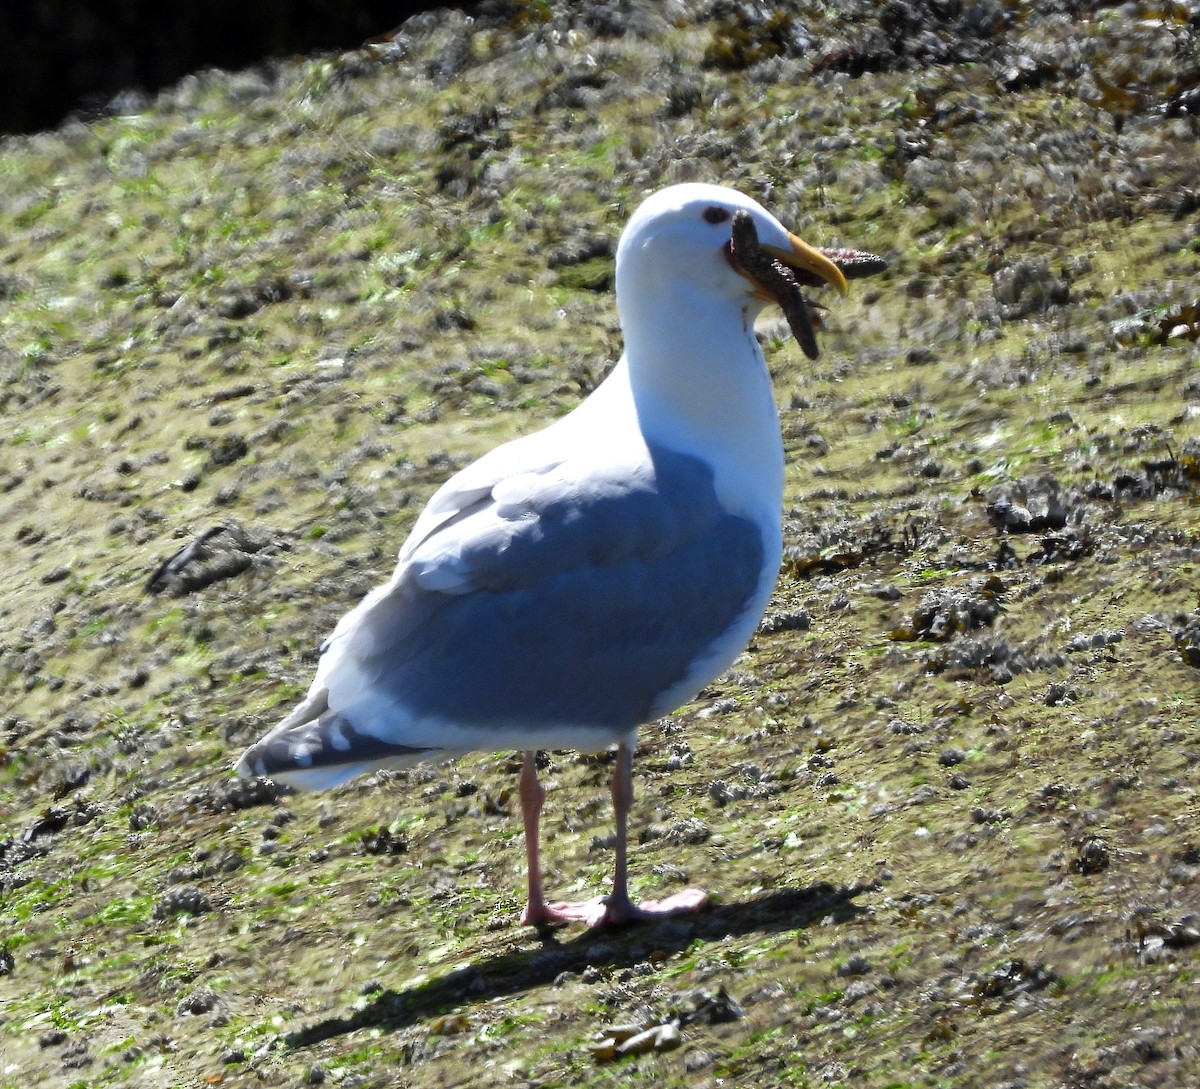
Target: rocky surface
(947, 801)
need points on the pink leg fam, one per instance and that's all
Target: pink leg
(619, 909)
(539, 912)
(615, 909)
(533, 795)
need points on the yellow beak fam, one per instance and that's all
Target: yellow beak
(804, 257)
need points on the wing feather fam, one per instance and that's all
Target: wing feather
(534, 593)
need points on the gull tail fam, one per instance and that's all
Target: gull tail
(315, 748)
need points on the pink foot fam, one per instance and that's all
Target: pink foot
(546, 914)
(605, 911)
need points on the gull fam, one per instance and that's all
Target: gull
(593, 576)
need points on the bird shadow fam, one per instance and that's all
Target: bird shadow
(510, 973)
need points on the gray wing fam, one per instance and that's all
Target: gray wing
(563, 598)
(568, 602)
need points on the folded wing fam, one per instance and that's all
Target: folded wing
(552, 603)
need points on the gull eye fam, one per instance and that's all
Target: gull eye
(714, 214)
